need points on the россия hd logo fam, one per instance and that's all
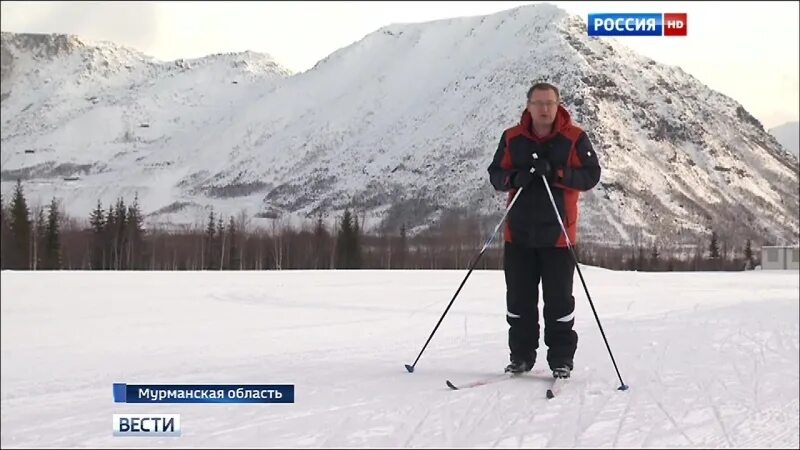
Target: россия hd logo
(637, 24)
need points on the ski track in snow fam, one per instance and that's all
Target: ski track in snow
(721, 373)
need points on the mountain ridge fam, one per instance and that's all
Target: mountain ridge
(403, 123)
(788, 134)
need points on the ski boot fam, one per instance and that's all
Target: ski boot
(561, 372)
(519, 366)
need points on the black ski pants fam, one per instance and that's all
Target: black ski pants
(524, 268)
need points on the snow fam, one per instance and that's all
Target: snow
(711, 359)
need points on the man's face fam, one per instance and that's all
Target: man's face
(543, 105)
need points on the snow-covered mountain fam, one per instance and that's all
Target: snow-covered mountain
(402, 124)
(788, 135)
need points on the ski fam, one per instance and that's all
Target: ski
(490, 380)
(480, 382)
(555, 387)
(556, 384)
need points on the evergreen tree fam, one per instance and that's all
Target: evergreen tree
(5, 235)
(120, 238)
(654, 257)
(346, 245)
(748, 255)
(98, 223)
(321, 239)
(39, 239)
(52, 248)
(108, 245)
(221, 234)
(211, 230)
(233, 255)
(20, 230)
(713, 247)
(135, 233)
(356, 245)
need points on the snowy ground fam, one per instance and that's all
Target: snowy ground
(711, 359)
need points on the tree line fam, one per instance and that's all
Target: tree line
(114, 238)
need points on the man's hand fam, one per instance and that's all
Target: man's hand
(522, 179)
(542, 167)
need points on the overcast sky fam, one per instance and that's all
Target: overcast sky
(748, 51)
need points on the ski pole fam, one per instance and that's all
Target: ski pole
(622, 386)
(410, 368)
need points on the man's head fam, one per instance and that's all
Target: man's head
(543, 100)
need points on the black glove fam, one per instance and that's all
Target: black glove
(521, 179)
(542, 167)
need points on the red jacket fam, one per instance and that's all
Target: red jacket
(532, 221)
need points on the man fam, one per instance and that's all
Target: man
(544, 143)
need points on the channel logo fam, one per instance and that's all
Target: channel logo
(637, 24)
(147, 425)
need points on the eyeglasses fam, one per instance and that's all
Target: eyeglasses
(540, 104)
